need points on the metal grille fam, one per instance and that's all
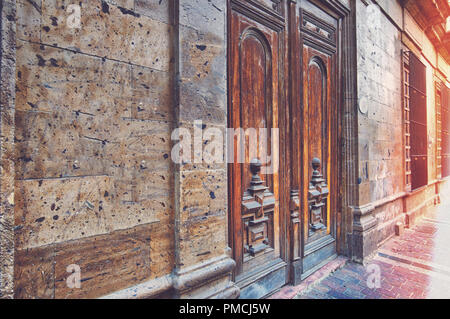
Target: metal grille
(407, 123)
(438, 130)
(415, 108)
(445, 143)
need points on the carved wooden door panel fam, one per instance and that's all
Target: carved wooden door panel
(254, 100)
(317, 177)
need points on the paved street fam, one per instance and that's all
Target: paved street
(415, 265)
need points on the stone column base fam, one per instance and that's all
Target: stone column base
(364, 237)
(207, 280)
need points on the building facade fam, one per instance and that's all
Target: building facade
(99, 97)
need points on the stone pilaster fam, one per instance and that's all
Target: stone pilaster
(379, 125)
(7, 107)
(203, 266)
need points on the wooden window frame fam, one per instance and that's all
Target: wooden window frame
(438, 96)
(411, 137)
(445, 129)
(406, 121)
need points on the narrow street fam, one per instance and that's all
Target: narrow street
(415, 265)
(224, 149)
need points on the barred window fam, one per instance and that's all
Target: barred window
(439, 130)
(445, 131)
(415, 122)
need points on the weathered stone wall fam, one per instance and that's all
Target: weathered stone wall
(380, 113)
(94, 177)
(95, 185)
(7, 105)
(383, 28)
(379, 120)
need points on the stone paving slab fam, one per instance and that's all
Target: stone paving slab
(415, 265)
(289, 292)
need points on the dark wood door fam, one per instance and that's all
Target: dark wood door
(314, 132)
(256, 231)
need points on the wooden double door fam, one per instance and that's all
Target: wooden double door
(283, 181)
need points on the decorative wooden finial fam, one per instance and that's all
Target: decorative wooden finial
(316, 163)
(255, 166)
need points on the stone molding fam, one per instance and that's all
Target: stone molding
(363, 218)
(195, 277)
(144, 290)
(232, 292)
(187, 280)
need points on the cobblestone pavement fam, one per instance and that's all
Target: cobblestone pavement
(415, 265)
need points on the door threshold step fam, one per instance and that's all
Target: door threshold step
(289, 291)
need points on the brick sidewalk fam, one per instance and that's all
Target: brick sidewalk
(414, 265)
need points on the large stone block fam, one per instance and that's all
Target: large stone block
(48, 145)
(151, 94)
(162, 248)
(211, 16)
(57, 210)
(34, 276)
(201, 239)
(150, 44)
(156, 9)
(197, 103)
(203, 77)
(51, 79)
(107, 263)
(364, 193)
(202, 217)
(207, 144)
(109, 31)
(127, 4)
(28, 17)
(144, 148)
(203, 193)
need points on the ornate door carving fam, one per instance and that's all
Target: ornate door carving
(258, 205)
(317, 199)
